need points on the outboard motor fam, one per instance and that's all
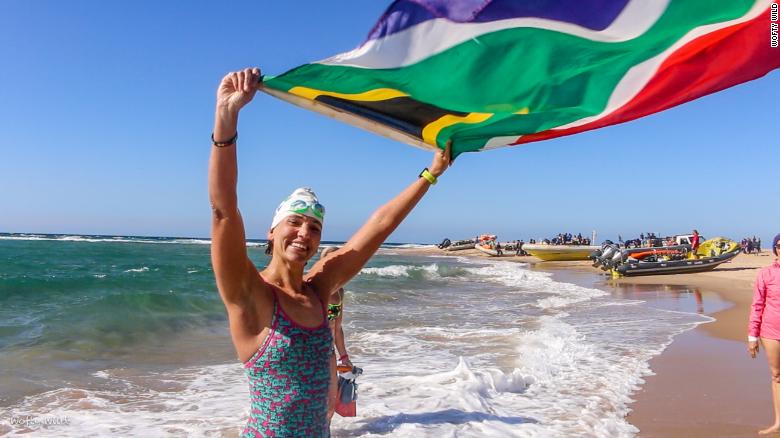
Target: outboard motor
(611, 252)
(444, 243)
(598, 255)
(608, 254)
(615, 260)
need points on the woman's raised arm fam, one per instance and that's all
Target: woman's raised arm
(232, 267)
(340, 266)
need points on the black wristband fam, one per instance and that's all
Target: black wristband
(224, 144)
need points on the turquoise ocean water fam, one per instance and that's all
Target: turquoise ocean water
(127, 335)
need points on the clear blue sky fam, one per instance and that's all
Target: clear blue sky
(106, 110)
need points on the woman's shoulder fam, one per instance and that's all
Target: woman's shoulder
(772, 269)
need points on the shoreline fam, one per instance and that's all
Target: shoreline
(704, 383)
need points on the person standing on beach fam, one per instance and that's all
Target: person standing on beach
(277, 317)
(695, 243)
(764, 325)
(335, 318)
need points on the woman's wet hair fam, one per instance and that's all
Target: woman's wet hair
(269, 248)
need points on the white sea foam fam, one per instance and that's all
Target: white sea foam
(112, 239)
(497, 350)
(517, 275)
(194, 241)
(204, 401)
(142, 269)
(402, 270)
(567, 375)
(25, 237)
(560, 381)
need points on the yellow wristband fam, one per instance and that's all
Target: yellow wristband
(428, 176)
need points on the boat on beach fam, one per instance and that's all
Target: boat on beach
(487, 244)
(487, 248)
(548, 252)
(459, 245)
(708, 256)
(612, 255)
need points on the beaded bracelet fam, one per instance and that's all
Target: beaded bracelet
(224, 144)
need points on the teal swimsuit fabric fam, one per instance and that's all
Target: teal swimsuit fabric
(288, 380)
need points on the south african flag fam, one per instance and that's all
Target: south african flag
(485, 74)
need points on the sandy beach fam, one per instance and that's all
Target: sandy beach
(704, 384)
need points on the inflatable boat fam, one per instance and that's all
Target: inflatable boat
(460, 245)
(708, 256)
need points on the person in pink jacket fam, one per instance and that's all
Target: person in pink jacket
(765, 325)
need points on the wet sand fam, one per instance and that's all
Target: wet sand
(705, 383)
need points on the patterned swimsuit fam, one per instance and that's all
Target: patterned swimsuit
(288, 379)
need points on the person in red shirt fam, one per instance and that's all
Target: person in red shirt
(695, 243)
(765, 325)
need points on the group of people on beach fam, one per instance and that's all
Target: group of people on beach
(567, 239)
(652, 240)
(519, 248)
(751, 245)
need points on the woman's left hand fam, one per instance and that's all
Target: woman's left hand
(441, 161)
(753, 348)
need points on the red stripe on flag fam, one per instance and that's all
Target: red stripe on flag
(708, 64)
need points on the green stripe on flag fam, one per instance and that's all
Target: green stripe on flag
(560, 78)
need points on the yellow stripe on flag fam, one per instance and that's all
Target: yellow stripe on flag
(366, 96)
(431, 130)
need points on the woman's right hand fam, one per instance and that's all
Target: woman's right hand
(441, 161)
(237, 89)
(753, 348)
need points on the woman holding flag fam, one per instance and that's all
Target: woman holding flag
(277, 316)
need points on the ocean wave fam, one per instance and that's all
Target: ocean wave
(564, 365)
(202, 401)
(167, 240)
(115, 239)
(518, 276)
(396, 271)
(408, 245)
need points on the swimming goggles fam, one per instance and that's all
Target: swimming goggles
(301, 207)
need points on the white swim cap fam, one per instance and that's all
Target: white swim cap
(302, 201)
